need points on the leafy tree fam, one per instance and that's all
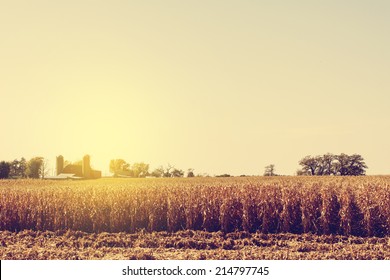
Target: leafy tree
(270, 170)
(223, 175)
(318, 165)
(190, 172)
(341, 165)
(34, 167)
(177, 173)
(5, 168)
(309, 165)
(119, 166)
(18, 168)
(353, 165)
(203, 175)
(140, 169)
(357, 165)
(328, 164)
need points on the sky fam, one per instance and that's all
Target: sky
(217, 86)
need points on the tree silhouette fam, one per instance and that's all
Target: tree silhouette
(34, 167)
(270, 170)
(328, 164)
(5, 168)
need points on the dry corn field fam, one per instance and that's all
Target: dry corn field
(196, 218)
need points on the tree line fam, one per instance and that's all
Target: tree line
(33, 168)
(37, 167)
(329, 164)
(121, 168)
(321, 165)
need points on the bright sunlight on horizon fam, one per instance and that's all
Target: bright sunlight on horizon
(217, 86)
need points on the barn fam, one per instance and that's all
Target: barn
(74, 171)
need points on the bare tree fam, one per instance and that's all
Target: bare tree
(44, 168)
(168, 170)
(270, 170)
(158, 172)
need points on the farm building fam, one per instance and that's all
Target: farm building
(74, 171)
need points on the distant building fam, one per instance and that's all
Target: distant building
(74, 171)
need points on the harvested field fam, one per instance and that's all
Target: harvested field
(188, 245)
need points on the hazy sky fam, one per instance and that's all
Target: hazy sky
(218, 86)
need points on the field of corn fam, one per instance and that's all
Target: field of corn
(254, 208)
